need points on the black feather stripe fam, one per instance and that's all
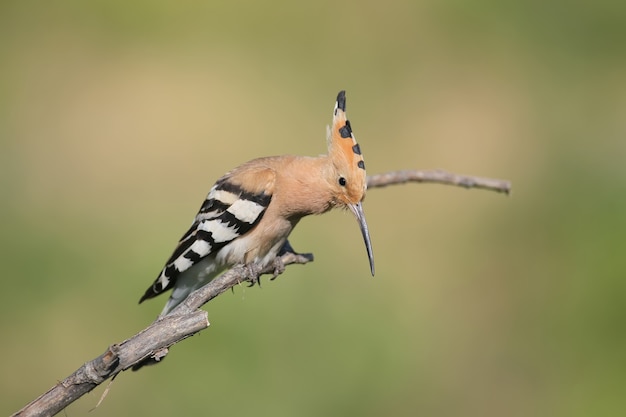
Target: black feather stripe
(171, 272)
(345, 131)
(187, 240)
(206, 236)
(261, 199)
(240, 227)
(341, 100)
(212, 204)
(193, 256)
(226, 185)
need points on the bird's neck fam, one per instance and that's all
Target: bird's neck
(305, 181)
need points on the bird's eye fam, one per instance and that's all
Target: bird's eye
(342, 181)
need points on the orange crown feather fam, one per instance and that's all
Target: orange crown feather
(344, 149)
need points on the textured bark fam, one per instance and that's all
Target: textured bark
(439, 177)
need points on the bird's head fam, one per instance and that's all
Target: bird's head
(347, 178)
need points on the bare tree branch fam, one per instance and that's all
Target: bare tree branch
(440, 177)
(116, 358)
(151, 344)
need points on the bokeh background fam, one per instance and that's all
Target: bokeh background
(116, 117)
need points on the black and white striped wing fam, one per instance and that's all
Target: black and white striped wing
(227, 213)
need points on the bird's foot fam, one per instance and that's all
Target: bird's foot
(288, 256)
(279, 267)
(253, 273)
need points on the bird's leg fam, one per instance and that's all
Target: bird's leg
(279, 267)
(278, 264)
(286, 249)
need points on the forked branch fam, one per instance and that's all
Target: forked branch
(152, 343)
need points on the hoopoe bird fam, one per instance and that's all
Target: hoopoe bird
(251, 210)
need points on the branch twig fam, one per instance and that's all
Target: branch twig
(153, 342)
(440, 177)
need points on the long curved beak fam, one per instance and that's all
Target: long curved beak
(357, 210)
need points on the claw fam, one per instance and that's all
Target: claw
(253, 274)
(279, 267)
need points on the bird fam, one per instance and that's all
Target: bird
(251, 210)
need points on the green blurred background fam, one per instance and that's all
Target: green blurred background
(116, 117)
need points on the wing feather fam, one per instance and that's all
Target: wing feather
(229, 211)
